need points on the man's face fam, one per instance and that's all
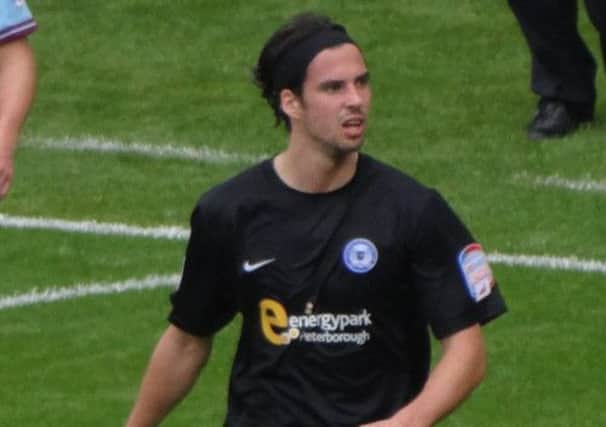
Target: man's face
(335, 100)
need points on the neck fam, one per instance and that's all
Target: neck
(314, 172)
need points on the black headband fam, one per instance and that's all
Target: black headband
(295, 61)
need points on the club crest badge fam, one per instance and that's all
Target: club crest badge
(360, 255)
(476, 271)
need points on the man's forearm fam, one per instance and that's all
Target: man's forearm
(173, 369)
(460, 369)
(458, 372)
(17, 87)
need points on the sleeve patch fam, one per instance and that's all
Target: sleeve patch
(476, 271)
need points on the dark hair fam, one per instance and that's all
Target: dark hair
(297, 29)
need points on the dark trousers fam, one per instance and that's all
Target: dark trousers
(562, 66)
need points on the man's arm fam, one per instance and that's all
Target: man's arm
(173, 369)
(17, 87)
(460, 369)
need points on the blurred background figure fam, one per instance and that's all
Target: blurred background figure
(563, 68)
(17, 81)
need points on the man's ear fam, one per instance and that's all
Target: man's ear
(290, 104)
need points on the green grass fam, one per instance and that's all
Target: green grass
(451, 99)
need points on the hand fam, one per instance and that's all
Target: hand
(6, 174)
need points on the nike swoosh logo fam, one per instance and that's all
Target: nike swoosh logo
(249, 268)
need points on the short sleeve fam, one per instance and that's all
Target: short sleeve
(204, 302)
(16, 20)
(451, 274)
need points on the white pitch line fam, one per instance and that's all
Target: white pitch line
(94, 227)
(549, 262)
(175, 233)
(179, 233)
(82, 290)
(202, 153)
(581, 185)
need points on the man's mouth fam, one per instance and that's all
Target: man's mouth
(353, 122)
(353, 127)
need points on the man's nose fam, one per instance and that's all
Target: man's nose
(354, 95)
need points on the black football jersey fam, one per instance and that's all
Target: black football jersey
(337, 291)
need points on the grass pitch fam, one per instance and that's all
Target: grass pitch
(451, 100)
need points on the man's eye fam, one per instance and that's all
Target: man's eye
(333, 87)
(364, 81)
